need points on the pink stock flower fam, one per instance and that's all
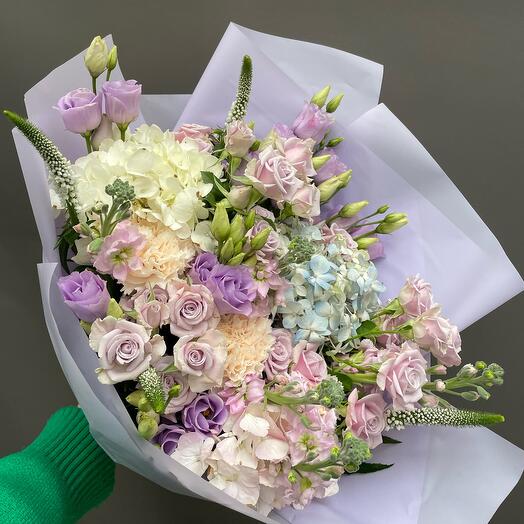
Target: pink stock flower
(403, 375)
(416, 296)
(120, 251)
(365, 417)
(435, 333)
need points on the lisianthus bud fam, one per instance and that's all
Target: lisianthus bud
(96, 57)
(350, 210)
(335, 141)
(319, 161)
(220, 225)
(333, 185)
(364, 243)
(320, 97)
(135, 397)
(394, 217)
(237, 259)
(386, 229)
(260, 239)
(239, 196)
(228, 250)
(333, 104)
(112, 59)
(382, 209)
(147, 427)
(238, 230)
(249, 222)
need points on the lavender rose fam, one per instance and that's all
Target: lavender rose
(365, 417)
(403, 375)
(416, 296)
(81, 110)
(312, 122)
(151, 307)
(192, 310)
(280, 355)
(201, 360)
(273, 176)
(436, 334)
(122, 100)
(124, 349)
(205, 415)
(239, 138)
(168, 435)
(185, 395)
(232, 287)
(86, 294)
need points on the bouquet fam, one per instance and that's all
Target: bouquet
(226, 286)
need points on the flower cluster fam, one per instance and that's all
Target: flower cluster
(247, 332)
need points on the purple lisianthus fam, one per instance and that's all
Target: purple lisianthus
(122, 100)
(283, 130)
(334, 166)
(86, 294)
(81, 110)
(312, 122)
(232, 287)
(168, 435)
(205, 415)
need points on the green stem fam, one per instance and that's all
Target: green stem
(108, 75)
(123, 129)
(93, 83)
(89, 145)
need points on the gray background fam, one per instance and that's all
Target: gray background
(453, 75)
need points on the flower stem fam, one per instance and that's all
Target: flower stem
(89, 145)
(93, 83)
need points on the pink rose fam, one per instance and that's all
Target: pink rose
(197, 133)
(309, 363)
(312, 122)
(239, 138)
(273, 176)
(170, 379)
(436, 334)
(299, 153)
(202, 360)
(403, 375)
(192, 309)
(365, 417)
(416, 296)
(124, 349)
(280, 355)
(151, 306)
(306, 202)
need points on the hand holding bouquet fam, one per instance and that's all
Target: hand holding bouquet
(245, 330)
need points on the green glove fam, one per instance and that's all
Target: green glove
(57, 478)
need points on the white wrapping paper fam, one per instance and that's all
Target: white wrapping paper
(438, 472)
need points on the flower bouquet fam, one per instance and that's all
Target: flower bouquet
(234, 338)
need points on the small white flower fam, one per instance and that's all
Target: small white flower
(193, 451)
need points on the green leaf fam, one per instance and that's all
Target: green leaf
(367, 328)
(371, 467)
(389, 440)
(345, 380)
(219, 191)
(114, 310)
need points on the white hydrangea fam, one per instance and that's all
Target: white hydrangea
(165, 174)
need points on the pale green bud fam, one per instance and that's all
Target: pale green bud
(112, 59)
(480, 365)
(144, 405)
(364, 243)
(220, 225)
(335, 141)
(320, 97)
(95, 245)
(470, 395)
(135, 397)
(255, 146)
(292, 477)
(251, 261)
(249, 222)
(260, 239)
(239, 247)
(333, 185)
(237, 259)
(96, 57)
(319, 161)
(350, 210)
(394, 217)
(333, 104)
(147, 428)
(228, 250)
(382, 209)
(386, 229)
(483, 393)
(467, 371)
(239, 196)
(237, 229)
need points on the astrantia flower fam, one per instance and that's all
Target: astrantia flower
(248, 342)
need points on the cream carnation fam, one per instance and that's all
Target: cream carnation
(165, 174)
(248, 342)
(164, 257)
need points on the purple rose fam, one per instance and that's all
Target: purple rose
(81, 110)
(168, 436)
(232, 287)
(205, 415)
(86, 294)
(122, 100)
(313, 122)
(334, 166)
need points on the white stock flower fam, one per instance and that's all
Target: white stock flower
(193, 451)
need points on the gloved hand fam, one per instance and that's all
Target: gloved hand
(58, 477)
